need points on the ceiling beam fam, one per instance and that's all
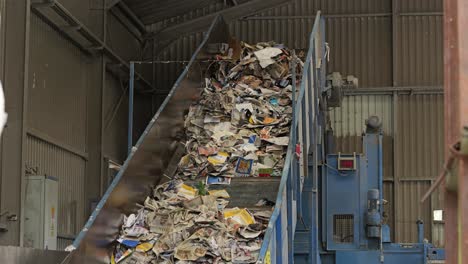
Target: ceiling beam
(128, 19)
(111, 3)
(93, 44)
(202, 23)
(133, 18)
(152, 13)
(124, 20)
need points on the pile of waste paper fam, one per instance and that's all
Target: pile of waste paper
(181, 224)
(239, 128)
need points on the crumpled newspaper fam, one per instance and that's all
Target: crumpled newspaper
(183, 230)
(239, 128)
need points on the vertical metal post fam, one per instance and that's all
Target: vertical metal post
(396, 181)
(293, 122)
(291, 194)
(289, 227)
(420, 231)
(394, 43)
(304, 135)
(313, 146)
(103, 165)
(311, 101)
(130, 106)
(24, 119)
(293, 85)
(456, 96)
(154, 97)
(380, 168)
(294, 171)
(279, 240)
(317, 133)
(396, 177)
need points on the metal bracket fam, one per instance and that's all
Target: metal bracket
(455, 153)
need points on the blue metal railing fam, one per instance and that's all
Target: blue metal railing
(278, 241)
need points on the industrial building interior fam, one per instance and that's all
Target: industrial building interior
(96, 93)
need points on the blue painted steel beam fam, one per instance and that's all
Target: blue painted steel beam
(380, 168)
(420, 231)
(290, 228)
(279, 240)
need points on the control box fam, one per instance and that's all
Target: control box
(40, 212)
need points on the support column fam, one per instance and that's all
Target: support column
(15, 83)
(394, 43)
(456, 116)
(96, 82)
(396, 176)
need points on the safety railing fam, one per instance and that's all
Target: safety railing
(304, 147)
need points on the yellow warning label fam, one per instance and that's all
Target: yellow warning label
(267, 258)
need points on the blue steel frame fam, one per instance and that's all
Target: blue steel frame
(305, 132)
(364, 249)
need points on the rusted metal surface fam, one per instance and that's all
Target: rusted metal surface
(456, 109)
(463, 112)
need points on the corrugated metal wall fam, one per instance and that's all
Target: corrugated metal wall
(419, 151)
(360, 34)
(55, 106)
(57, 87)
(383, 44)
(69, 168)
(64, 112)
(419, 45)
(57, 111)
(420, 131)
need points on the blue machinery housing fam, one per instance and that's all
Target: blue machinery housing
(328, 206)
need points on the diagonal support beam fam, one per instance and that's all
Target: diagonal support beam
(202, 23)
(128, 18)
(112, 3)
(93, 42)
(133, 18)
(151, 13)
